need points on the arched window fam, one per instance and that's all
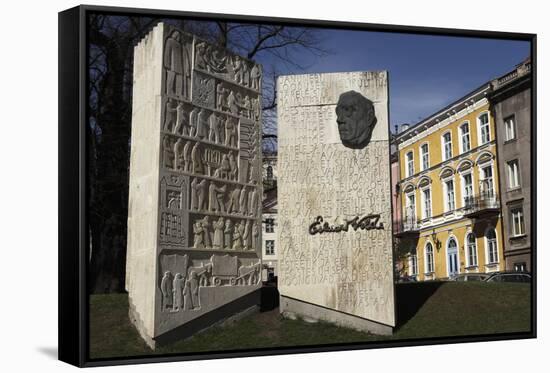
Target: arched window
(429, 258)
(452, 257)
(471, 249)
(492, 249)
(269, 172)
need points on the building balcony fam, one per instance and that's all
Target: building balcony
(485, 203)
(409, 226)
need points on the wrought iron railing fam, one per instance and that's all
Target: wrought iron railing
(482, 202)
(407, 224)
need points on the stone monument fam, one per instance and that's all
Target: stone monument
(195, 186)
(335, 236)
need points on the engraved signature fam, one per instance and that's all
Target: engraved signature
(367, 222)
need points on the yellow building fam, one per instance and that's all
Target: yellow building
(450, 214)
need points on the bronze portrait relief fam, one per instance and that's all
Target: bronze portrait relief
(356, 119)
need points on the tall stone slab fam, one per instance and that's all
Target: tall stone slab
(194, 215)
(335, 237)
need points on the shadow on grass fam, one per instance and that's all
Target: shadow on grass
(269, 298)
(410, 297)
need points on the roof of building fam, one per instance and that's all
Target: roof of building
(471, 97)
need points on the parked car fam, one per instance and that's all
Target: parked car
(407, 278)
(509, 277)
(471, 277)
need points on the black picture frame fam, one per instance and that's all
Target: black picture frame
(74, 236)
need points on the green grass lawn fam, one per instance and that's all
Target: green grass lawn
(423, 310)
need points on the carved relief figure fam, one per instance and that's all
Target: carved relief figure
(247, 237)
(255, 109)
(215, 130)
(179, 154)
(192, 286)
(255, 76)
(224, 167)
(166, 290)
(168, 153)
(177, 65)
(243, 202)
(200, 58)
(193, 120)
(246, 74)
(218, 233)
(356, 119)
(230, 133)
(217, 60)
(232, 167)
(233, 205)
(227, 232)
(238, 231)
(182, 121)
(253, 170)
(232, 103)
(177, 288)
(253, 202)
(255, 236)
(238, 72)
(221, 99)
(187, 156)
(170, 115)
(201, 194)
(196, 159)
(206, 231)
(198, 233)
(202, 125)
(215, 198)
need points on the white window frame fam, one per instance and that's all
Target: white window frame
(463, 185)
(521, 216)
(408, 205)
(429, 267)
(513, 174)
(510, 131)
(270, 222)
(467, 246)
(487, 251)
(413, 265)
(462, 134)
(482, 176)
(443, 149)
(424, 155)
(452, 237)
(479, 126)
(408, 163)
(445, 194)
(267, 247)
(423, 202)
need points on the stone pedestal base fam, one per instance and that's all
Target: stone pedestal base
(291, 308)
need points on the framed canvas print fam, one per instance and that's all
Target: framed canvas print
(235, 186)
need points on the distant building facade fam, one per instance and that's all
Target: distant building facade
(269, 216)
(511, 108)
(450, 219)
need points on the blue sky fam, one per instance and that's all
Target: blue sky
(426, 73)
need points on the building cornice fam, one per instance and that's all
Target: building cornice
(437, 123)
(446, 115)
